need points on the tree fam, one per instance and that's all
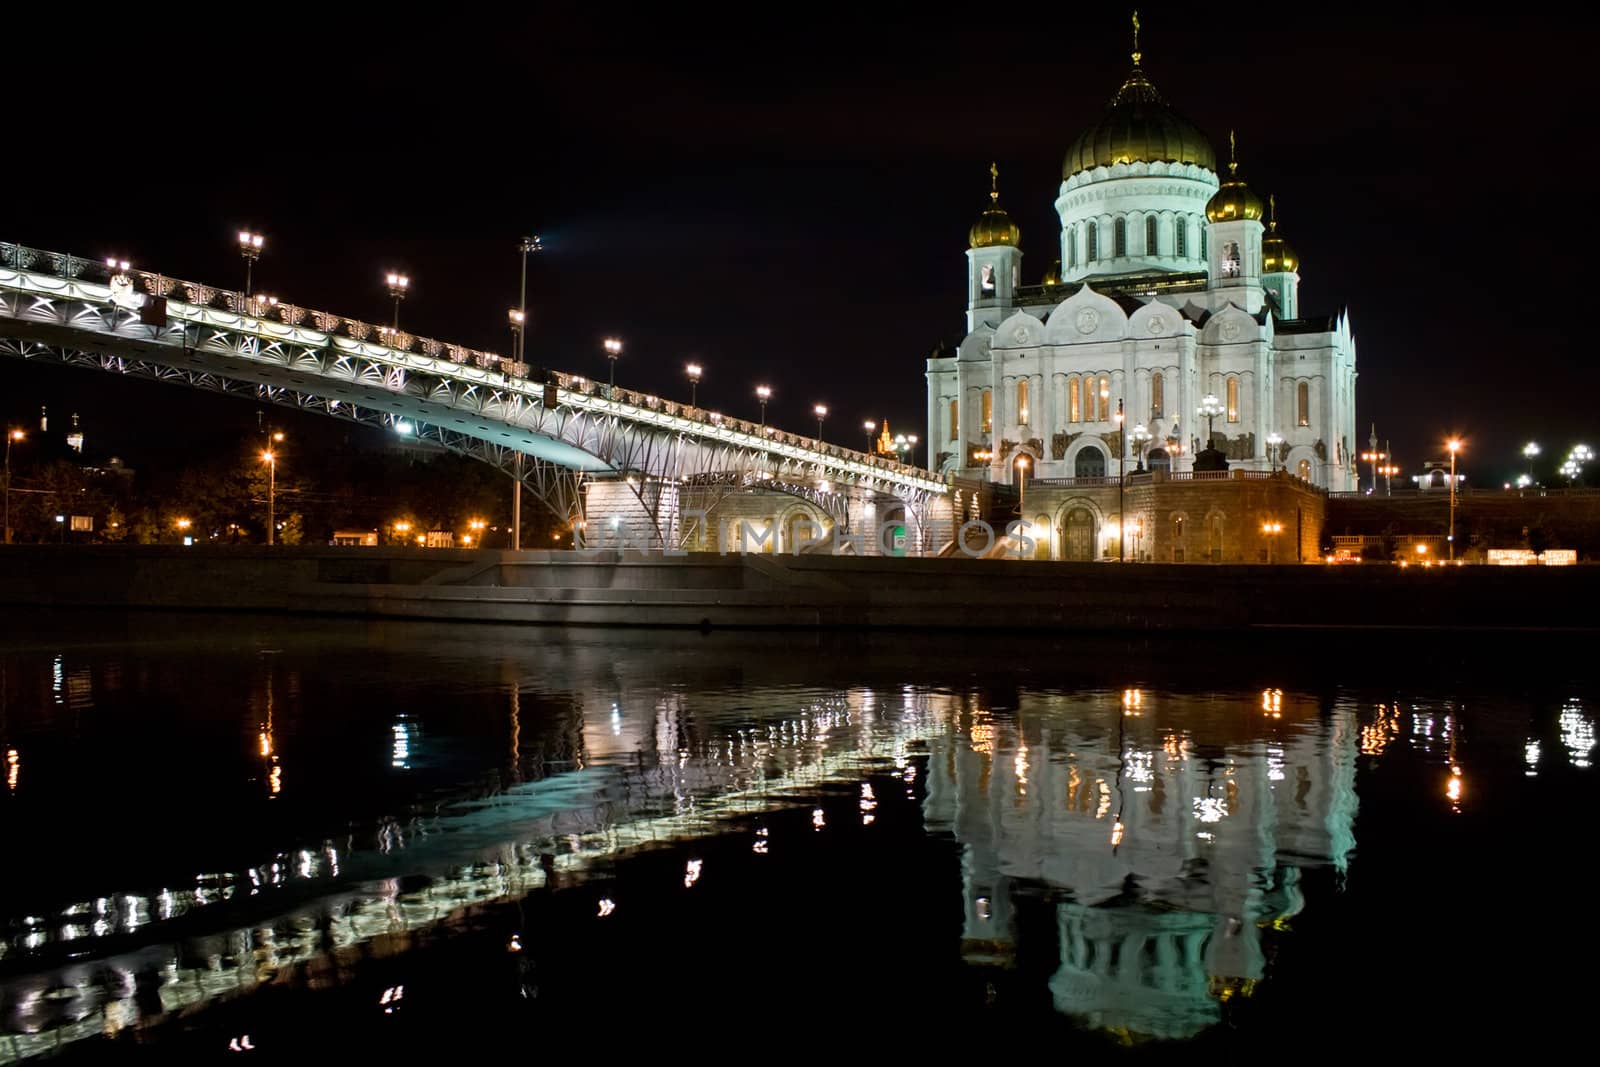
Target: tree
(115, 528)
(292, 531)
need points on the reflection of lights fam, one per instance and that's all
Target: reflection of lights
(402, 745)
(390, 1000)
(1454, 788)
(276, 779)
(1132, 702)
(516, 943)
(1272, 703)
(869, 804)
(1210, 809)
(607, 906)
(818, 819)
(983, 908)
(1577, 734)
(1116, 833)
(691, 873)
(1530, 752)
(13, 767)
(1020, 766)
(266, 743)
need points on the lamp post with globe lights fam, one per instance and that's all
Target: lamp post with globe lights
(1274, 447)
(398, 285)
(1272, 530)
(270, 458)
(613, 347)
(763, 394)
(13, 436)
(1454, 445)
(1530, 451)
(869, 426)
(250, 245)
(1141, 437)
(821, 412)
(1210, 407)
(693, 371)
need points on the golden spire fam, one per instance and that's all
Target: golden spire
(1272, 207)
(1233, 156)
(994, 183)
(1136, 53)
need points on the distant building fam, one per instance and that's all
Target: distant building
(1436, 475)
(355, 538)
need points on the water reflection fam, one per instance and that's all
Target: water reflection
(1170, 832)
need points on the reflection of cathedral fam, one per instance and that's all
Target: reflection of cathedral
(1173, 283)
(1170, 864)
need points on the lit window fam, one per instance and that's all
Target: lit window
(1157, 396)
(1304, 470)
(1302, 393)
(1093, 243)
(1230, 259)
(1119, 238)
(955, 421)
(1105, 399)
(1022, 402)
(1074, 412)
(988, 278)
(1152, 247)
(1233, 400)
(988, 411)
(1180, 231)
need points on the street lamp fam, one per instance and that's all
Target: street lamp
(1274, 445)
(1579, 455)
(250, 245)
(1210, 407)
(1374, 457)
(693, 372)
(398, 286)
(1455, 446)
(821, 412)
(869, 426)
(515, 318)
(911, 453)
(270, 458)
(1122, 483)
(1022, 486)
(613, 347)
(1388, 470)
(527, 246)
(1529, 451)
(12, 436)
(1271, 530)
(1141, 437)
(763, 394)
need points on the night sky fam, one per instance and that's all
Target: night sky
(786, 199)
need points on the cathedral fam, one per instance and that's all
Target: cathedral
(1170, 322)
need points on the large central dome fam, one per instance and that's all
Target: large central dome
(1138, 126)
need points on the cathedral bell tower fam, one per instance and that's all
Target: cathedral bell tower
(994, 262)
(1233, 218)
(1280, 267)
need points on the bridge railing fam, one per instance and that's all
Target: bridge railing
(342, 332)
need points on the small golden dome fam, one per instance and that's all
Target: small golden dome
(1234, 200)
(1053, 275)
(1277, 255)
(994, 226)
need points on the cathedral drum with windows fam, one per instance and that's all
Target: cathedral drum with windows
(1172, 284)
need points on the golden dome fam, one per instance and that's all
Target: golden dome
(1277, 255)
(1234, 200)
(994, 226)
(1138, 126)
(1053, 275)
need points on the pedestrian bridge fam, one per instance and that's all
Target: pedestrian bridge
(551, 430)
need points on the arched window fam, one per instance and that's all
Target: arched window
(1119, 237)
(1304, 470)
(1093, 237)
(988, 411)
(1302, 404)
(987, 278)
(1180, 233)
(955, 420)
(1215, 524)
(1072, 248)
(1105, 399)
(1233, 400)
(1157, 395)
(1022, 402)
(1202, 242)
(1151, 245)
(1074, 411)
(1090, 463)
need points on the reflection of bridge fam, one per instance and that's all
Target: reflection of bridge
(551, 430)
(477, 853)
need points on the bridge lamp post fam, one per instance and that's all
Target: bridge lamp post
(398, 286)
(821, 412)
(869, 426)
(1271, 530)
(1529, 451)
(693, 371)
(270, 458)
(763, 394)
(250, 245)
(1454, 445)
(613, 347)
(1210, 407)
(12, 436)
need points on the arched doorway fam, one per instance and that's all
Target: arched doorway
(1079, 535)
(1158, 460)
(1091, 463)
(802, 532)
(1040, 532)
(1303, 469)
